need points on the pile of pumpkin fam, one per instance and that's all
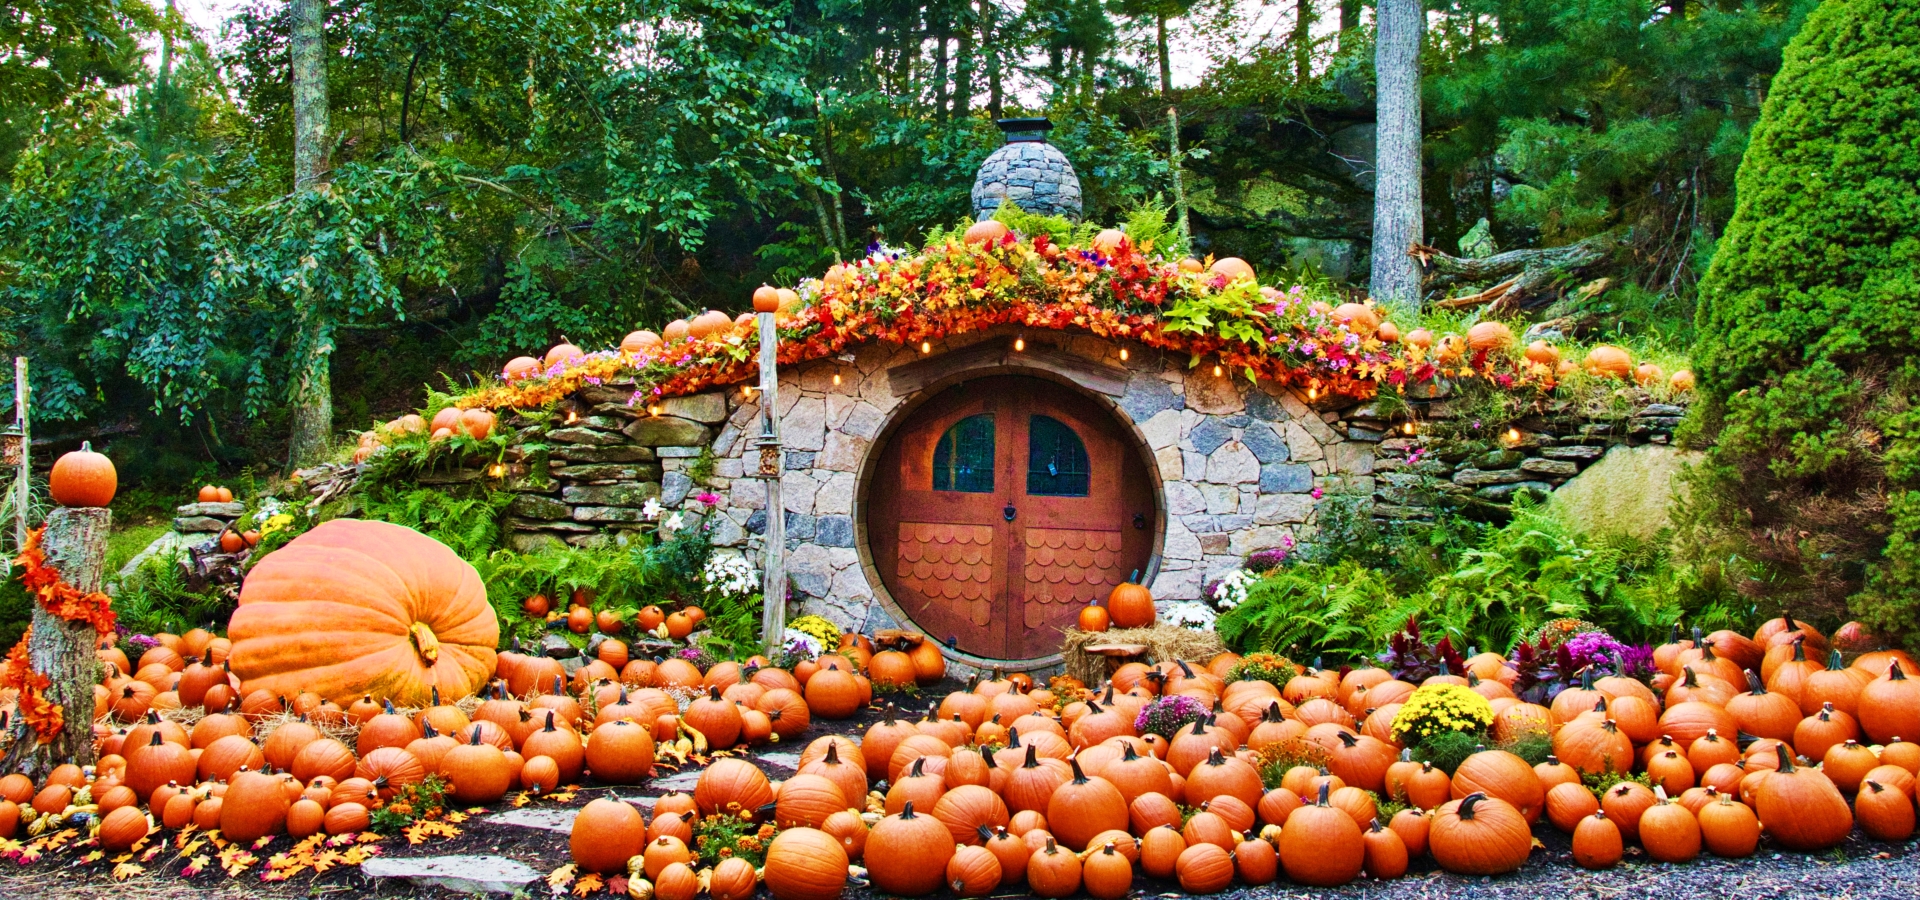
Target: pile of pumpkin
(996, 789)
(253, 763)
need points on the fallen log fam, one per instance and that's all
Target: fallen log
(1523, 279)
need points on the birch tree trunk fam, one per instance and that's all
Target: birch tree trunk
(312, 394)
(1396, 191)
(76, 545)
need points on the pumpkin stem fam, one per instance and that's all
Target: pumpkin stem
(1786, 759)
(1586, 679)
(1033, 757)
(989, 760)
(550, 722)
(1092, 707)
(1184, 668)
(1800, 648)
(1273, 713)
(1346, 738)
(985, 835)
(1051, 849)
(1127, 754)
(1833, 661)
(1873, 784)
(1374, 824)
(1689, 680)
(1826, 711)
(426, 728)
(1425, 767)
(919, 768)
(1467, 805)
(1013, 736)
(906, 812)
(1214, 758)
(1894, 672)
(1754, 686)
(1601, 705)
(1322, 801)
(476, 738)
(1134, 578)
(1080, 777)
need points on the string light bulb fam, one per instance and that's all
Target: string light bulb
(836, 379)
(653, 409)
(1123, 354)
(1407, 428)
(1020, 343)
(497, 470)
(926, 346)
(746, 391)
(1313, 393)
(572, 416)
(1513, 435)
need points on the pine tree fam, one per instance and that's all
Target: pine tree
(1809, 356)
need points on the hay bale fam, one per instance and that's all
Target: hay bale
(1164, 643)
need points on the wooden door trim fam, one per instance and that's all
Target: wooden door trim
(986, 357)
(1013, 364)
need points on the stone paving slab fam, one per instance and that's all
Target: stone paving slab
(460, 874)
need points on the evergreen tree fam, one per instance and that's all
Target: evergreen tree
(1809, 356)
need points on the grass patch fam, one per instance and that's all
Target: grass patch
(126, 543)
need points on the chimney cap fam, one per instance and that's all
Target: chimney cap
(1033, 129)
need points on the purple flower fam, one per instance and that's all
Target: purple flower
(1316, 493)
(1593, 648)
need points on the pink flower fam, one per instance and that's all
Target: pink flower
(707, 497)
(1316, 493)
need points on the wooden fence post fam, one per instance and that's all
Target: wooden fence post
(76, 545)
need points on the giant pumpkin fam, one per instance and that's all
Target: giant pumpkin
(353, 608)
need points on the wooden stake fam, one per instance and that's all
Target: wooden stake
(773, 585)
(22, 484)
(62, 650)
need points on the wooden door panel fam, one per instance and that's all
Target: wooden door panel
(958, 568)
(951, 567)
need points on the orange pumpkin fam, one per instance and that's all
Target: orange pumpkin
(1130, 605)
(1233, 267)
(1094, 618)
(83, 478)
(354, 607)
(1609, 361)
(987, 232)
(520, 367)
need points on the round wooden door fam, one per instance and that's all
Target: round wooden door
(1003, 505)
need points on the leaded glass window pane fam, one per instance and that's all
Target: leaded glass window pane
(1056, 459)
(963, 459)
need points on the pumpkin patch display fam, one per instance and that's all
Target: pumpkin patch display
(355, 608)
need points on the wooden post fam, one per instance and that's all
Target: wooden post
(76, 546)
(773, 585)
(22, 483)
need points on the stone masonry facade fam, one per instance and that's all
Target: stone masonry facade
(1033, 175)
(1238, 464)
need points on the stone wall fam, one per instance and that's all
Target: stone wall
(1238, 463)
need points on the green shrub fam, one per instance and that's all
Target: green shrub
(156, 597)
(1809, 334)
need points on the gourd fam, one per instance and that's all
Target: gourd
(1479, 835)
(358, 607)
(83, 478)
(1130, 605)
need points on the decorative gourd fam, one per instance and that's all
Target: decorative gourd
(122, 828)
(805, 864)
(1800, 808)
(732, 879)
(607, 833)
(731, 785)
(1204, 869)
(1479, 835)
(254, 806)
(1322, 846)
(1885, 813)
(1596, 842)
(1728, 828)
(83, 478)
(908, 853)
(1609, 361)
(1503, 776)
(1490, 337)
(1232, 268)
(359, 607)
(1130, 605)
(1890, 705)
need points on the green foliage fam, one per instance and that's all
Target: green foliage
(1448, 749)
(1809, 329)
(16, 608)
(157, 597)
(1267, 667)
(1487, 593)
(469, 524)
(422, 800)
(618, 577)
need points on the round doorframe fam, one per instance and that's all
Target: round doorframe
(904, 411)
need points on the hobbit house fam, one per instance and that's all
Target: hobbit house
(980, 472)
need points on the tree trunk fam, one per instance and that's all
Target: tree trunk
(1302, 40)
(76, 545)
(1179, 187)
(963, 69)
(312, 395)
(992, 50)
(1349, 19)
(942, 86)
(1396, 193)
(1166, 60)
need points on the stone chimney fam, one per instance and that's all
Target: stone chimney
(1031, 173)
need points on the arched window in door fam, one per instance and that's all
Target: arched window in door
(1056, 459)
(963, 459)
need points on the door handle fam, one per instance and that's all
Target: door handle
(1009, 512)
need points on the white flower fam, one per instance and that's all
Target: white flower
(730, 575)
(673, 522)
(801, 641)
(652, 509)
(1191, 615)
(1232, 589)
